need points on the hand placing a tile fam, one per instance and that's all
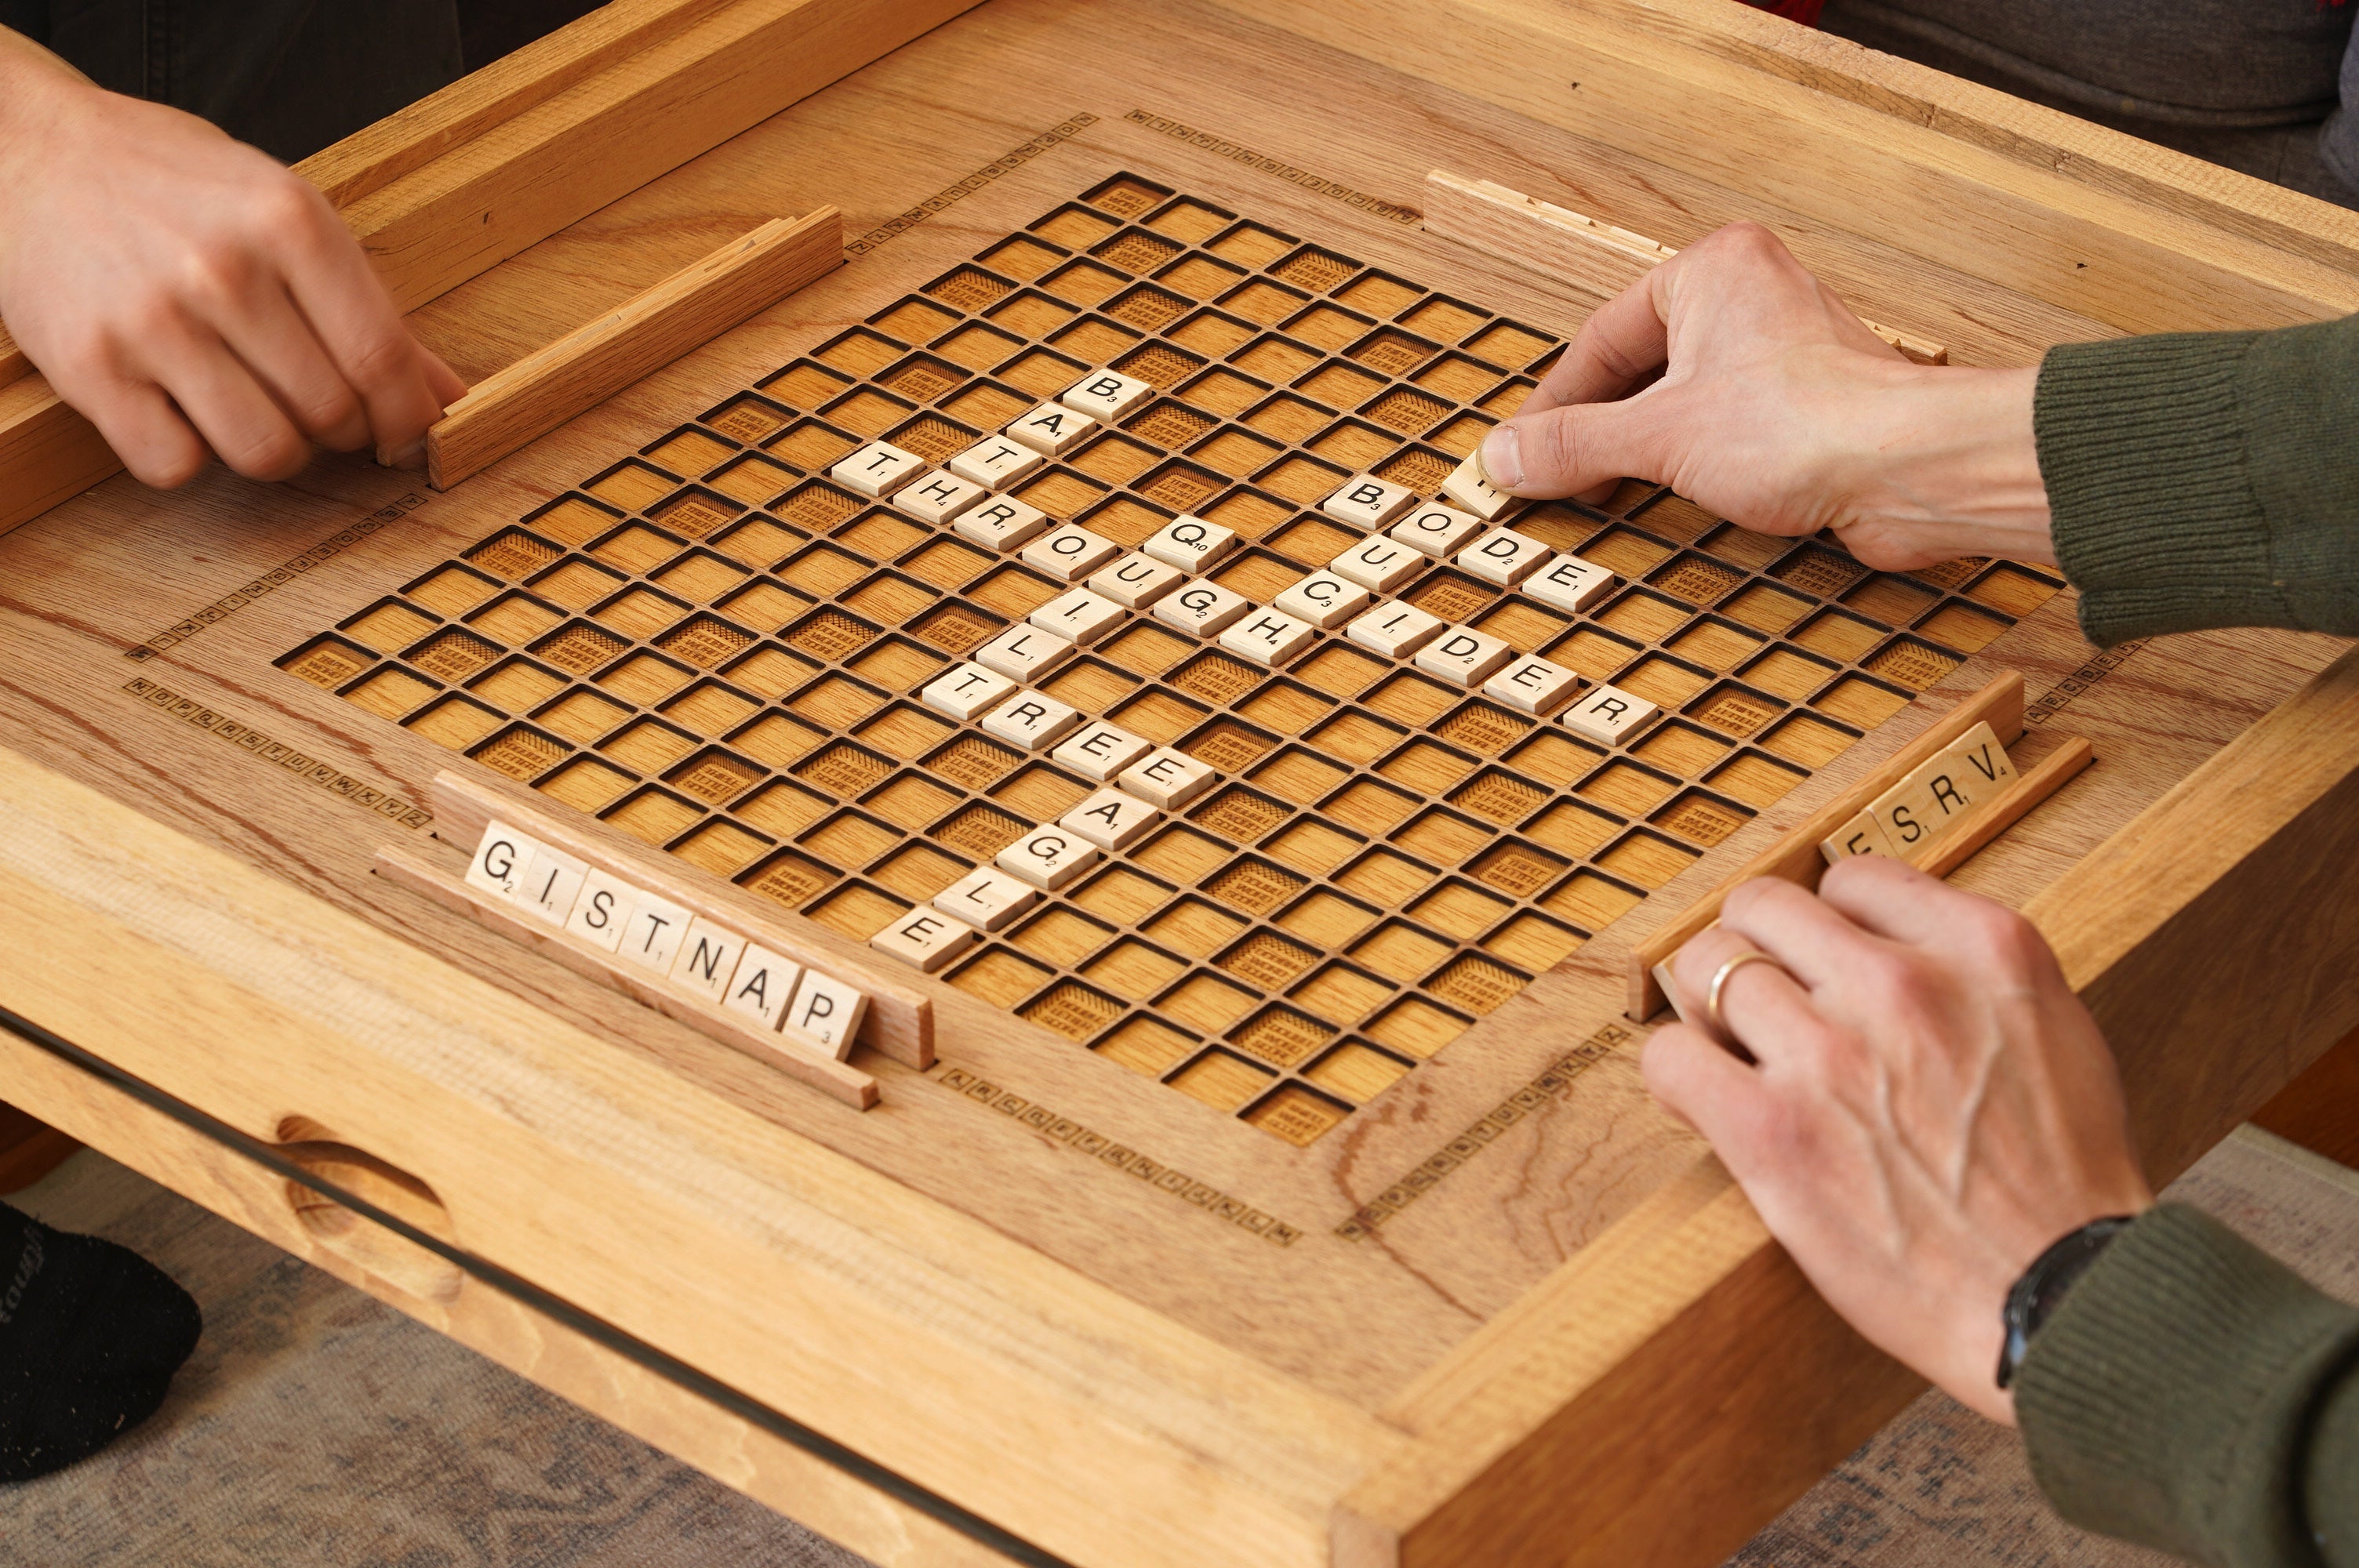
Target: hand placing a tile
(1736, 377)
(1928, 1106)
(189, 295)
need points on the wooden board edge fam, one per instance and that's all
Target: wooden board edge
(697, 1432)
(2166, 246)
(900, 1023)
(48, 452)
(1796, 858)
(857, 1306)
(404, 867)
(1583, 1446)
(493, 95)
(2216, 912)
(1565, 245)
(647, 114)
(527, 400)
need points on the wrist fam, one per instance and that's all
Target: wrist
(1945, 465)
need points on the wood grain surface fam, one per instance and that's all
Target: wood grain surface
(1130, 1328)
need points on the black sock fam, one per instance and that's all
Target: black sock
(90, 1335)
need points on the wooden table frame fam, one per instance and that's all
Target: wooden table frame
(1653, 1400)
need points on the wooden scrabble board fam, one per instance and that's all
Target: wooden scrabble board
(711, 646)
(1280, 1188)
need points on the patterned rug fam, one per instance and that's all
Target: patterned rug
(315, 1427)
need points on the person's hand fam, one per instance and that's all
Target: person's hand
(1929, 1108)
(1761, 398)
(187, 294)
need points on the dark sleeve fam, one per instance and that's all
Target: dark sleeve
(2206, 478)
(2338, 139)
(2195, 1395)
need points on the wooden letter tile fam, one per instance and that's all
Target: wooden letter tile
(1001, 523)
(1032, 721)
(1570, 583)
(1079, 616)
(1099, 751)
(986, 900)
(965, 691)
(706, 959)
(1984, 763)
(1860, 836)
(601, 910)
(939, 498)
(657, 927)
(1379, 563)
(1167, 778)
(1136, 581)
(1269, 636)
(1021, 653)
(1105, 394)
(1110, 819)
(877, 470)
(1467, 486)
(1326, 600)
(503, 855)
(1368, 501)
(1609, 714)
(764, 984)
(1533, 686)
(550, 884)
(1436, 530)
(1191, 543)
(1463, 656)
(1907, 814)
(1203, 608)
(996, 463)
(1504, 557)
(1053, 429)
(1049, 858)
(1395, 630)
(924, 937)
(1071, 552)
(828, 1011)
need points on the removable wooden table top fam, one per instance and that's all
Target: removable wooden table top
(1507, 1312)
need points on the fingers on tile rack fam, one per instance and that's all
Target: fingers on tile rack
(547, 387)
(1954, 783)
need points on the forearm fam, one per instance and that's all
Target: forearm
(2195, 1395)
(2207, 480)
(1947, 468)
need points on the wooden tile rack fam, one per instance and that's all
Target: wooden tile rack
(646, 332)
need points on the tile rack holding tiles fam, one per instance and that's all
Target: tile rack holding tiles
(719, 649)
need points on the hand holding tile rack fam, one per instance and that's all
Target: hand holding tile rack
(1863, 820)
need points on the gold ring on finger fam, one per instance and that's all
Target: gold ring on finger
(1720, 983)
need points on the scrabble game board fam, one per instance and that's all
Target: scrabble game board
(737, 646)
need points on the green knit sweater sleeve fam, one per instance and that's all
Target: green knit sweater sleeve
(2193, 1394)
(2206, 478)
